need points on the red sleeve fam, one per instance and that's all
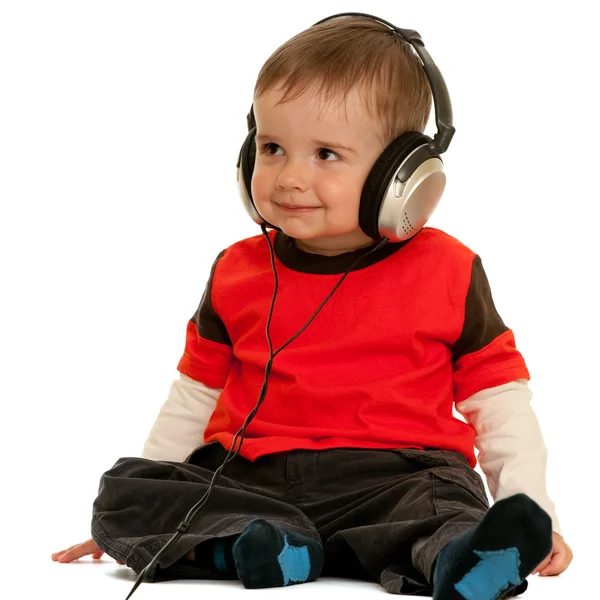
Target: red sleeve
(208, 355)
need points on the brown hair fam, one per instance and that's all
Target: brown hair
(354, 51)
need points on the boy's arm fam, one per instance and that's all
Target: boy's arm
(204, 367)
(179, 427)
(512, 453)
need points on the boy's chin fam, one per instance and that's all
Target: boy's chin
(305, 231)
(328, 241)
(299, 231)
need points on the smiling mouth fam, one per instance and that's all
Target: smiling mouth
(289, 208)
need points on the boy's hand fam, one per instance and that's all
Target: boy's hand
(559, 558)
(79, 550)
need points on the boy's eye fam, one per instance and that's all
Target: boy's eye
(323, 152)
(269, 148)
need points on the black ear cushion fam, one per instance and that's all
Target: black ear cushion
(247, 159)
(379, 176)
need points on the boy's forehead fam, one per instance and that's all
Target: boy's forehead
(311, 112)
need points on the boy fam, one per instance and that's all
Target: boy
(354, 465)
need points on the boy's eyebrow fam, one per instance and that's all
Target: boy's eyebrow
(264, 137)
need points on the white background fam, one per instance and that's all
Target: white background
(120, 124)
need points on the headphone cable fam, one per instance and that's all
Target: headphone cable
(185, 524)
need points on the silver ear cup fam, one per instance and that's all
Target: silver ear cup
(407, 206)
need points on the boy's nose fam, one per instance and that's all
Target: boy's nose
(293, 176)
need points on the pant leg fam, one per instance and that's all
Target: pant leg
(141, 503)
(459, 498)
(385, 515)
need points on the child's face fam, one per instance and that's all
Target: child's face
(300, 163)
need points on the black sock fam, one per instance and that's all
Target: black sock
(267, 556)
(217, 553)
(222, 555)
(492, 560)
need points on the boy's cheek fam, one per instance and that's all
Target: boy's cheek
(263, 207)
(260, 193)
(257, 184)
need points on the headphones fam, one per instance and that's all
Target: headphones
(406, 182)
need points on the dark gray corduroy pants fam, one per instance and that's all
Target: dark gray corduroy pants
(381, 515)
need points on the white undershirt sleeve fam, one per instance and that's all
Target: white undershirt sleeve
(512, 453)
(182, 419)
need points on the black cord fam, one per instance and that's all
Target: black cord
(185, 524)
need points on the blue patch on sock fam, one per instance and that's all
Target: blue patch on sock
(219, 555)
(294, 563)
(493, 574)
